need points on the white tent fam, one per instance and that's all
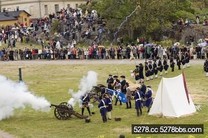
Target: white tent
(172, 98)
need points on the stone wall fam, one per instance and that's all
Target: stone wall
(39, 8)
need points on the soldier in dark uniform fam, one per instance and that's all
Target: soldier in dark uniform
(187, 58)
(103, 109)
(123, 84)
(11, 54)
(172, 64)
(166, 66)
(183, 60)
(206, 67)
(160, 66)
(138, 102)
(151, 69)
(147, 71)
(85, 103)
(148, 97)
(141, 72)
(178, 61)
(136, 73)
(155, 68)
(143, 89)
(103, 91)
(110, 81)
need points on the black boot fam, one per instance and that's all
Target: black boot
(116, 101)
(103, 118)
(127, 106)
(148, 110)
(137, 110)
(88, 109)
(140, 111)
(82, 111)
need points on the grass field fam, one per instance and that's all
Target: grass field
(22, 45)
(53, 82)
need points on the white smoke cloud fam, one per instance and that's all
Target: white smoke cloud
(86, 84)
(15, 95)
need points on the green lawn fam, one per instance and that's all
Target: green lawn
(22, 45)
(54, 81)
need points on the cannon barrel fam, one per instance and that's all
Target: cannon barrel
(54, 105)
(62, 105)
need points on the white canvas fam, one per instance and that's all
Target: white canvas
(171, 99)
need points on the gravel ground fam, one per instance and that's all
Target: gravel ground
(5, 135)
(74, 62)
(84, 62)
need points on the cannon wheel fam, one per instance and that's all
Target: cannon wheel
(63, 111)
(68, 105)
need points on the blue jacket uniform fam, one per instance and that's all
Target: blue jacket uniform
(85, 99)
(109, 104)
(102, 106)
(148, 97)
(138, 100)
(143, 90)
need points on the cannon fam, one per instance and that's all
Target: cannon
(96, 91)
(64, 111)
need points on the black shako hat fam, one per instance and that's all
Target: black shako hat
(122, 76)
(115, 76)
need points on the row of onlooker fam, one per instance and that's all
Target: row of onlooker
(101, 52)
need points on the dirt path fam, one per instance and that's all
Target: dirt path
(85, 62)
(5, 135)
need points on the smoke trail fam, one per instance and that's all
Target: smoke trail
(86, 84)
(15, 95)
(124, 21)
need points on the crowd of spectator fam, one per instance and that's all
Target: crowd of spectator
(75, 27)
(136, 51)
